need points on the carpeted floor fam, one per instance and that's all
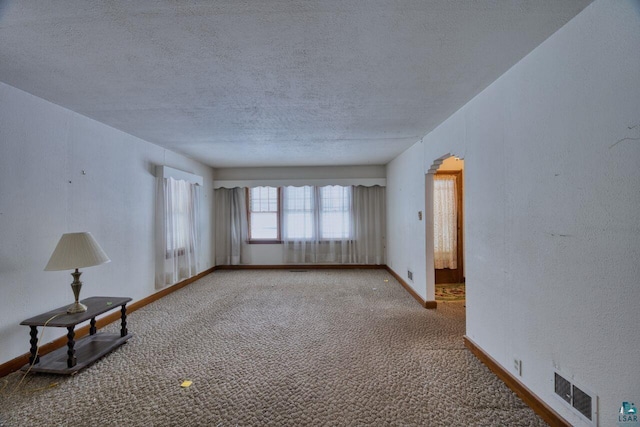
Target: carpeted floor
(325, 348)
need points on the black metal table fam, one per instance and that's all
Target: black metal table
(80, 354)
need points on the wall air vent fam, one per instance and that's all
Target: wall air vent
(582, 403)
(563, 388)
(580, 400)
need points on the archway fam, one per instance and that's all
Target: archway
(444, 215)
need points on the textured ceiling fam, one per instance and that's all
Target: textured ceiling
(270, 82)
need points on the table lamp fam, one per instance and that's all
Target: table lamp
(76, 250)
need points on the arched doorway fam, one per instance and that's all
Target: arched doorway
(445, 230)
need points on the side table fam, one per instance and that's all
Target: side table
(80, 354)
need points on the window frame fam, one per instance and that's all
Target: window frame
(258, 241)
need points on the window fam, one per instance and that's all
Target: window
(180, 205)
(314, 224)
(299, 222)
(178, 230)
(264, 208)
(335, 212)
(317, 213)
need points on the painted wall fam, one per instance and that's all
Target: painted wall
(44, 150)
(405, 232)
(551, 153)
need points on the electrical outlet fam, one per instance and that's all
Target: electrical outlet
(410, 274)
(517, 366)
(419, 215)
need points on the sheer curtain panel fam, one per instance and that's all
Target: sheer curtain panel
(178, 232)
(333, 224)
(231, 226)
(445, 221)
(316, 224)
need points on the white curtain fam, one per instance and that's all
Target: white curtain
(369, 219)
(316, 224)
(178, 222)
(333, 224)
(445, 221)
(231, 226)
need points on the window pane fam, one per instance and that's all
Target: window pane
(335, 212)
(335, 225)
(298, 212)
(264, 199)
(263, 211)
(264, 225)
(180, 203)
(299, 199)
(299, 225)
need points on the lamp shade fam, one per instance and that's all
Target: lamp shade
(76, 250)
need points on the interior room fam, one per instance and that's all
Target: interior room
(209, 146)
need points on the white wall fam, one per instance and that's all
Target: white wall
(43, 193)
(552, 179)
(405, 232)
(265, 254)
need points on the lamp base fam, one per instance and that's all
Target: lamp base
(76, 307)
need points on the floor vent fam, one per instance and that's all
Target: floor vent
(580, 400)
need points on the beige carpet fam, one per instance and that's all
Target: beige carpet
(278, 348)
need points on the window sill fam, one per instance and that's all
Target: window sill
(279, 242)
(264, 242)
(324, 241)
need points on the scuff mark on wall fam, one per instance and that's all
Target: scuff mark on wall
(559, 235)
(627, 138)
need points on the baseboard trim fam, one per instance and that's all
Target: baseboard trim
(166, 291)
(302, 267)
(543, 410)
(18, 362)
(432, 305)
